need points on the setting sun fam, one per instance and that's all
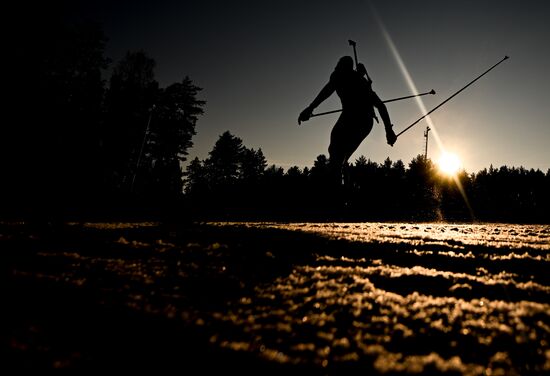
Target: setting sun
(449, 163)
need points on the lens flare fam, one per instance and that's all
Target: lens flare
(420, 103)
(449, 163)
(406, 74)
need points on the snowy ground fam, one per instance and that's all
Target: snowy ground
(327, 298)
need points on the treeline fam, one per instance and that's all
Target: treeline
(234, 182)
(84, 134)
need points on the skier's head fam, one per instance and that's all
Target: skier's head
(344, 64)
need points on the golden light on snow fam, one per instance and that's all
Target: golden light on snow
(449, 163)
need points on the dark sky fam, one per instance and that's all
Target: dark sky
(261, 62)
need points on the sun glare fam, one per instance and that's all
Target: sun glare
(449, 163)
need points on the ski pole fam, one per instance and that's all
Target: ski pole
(386, 101)
(409, 96)
(452, 96)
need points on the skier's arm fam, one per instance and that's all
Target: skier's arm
(383, 111)
(325, 92)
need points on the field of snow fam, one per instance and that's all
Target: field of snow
(327, 298)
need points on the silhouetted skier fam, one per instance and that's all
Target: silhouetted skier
(355, 122)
